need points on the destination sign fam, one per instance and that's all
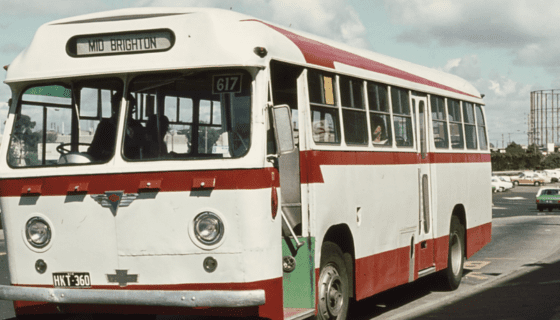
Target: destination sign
(123, 43)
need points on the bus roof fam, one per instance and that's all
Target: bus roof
(206, 37)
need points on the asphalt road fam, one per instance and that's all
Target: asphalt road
(516, 276)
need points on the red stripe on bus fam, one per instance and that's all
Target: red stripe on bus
(310, 161)
(272, 309)
(324, 55)
(389, 269)
(249, 179)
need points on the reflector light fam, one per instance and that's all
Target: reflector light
(274, 202)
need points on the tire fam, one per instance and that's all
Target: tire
(540, 208)
(333, 284)
(537, 183)
(516, 183)
(451, 276)
(550, 209)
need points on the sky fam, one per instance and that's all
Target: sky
(505, 48)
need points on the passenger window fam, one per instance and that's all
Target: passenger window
(324, 112)
(481, 128)
(455, 124)
(402, 117)
(353, 111)
(380, 118)
(439, 123)
(470, 129)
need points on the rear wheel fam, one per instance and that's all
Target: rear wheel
(550, 209)
(537, 183)
(515, 183)
(333, 284)
(540, 208)
(452, 275)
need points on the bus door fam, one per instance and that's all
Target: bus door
(425, 244)
(297, 250)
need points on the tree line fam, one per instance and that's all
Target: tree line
(517, 158)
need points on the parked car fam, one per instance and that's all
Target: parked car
(543, 174)
(528, 179)
(499, 185)
(548, 198)
(506, 182)
(554, 174)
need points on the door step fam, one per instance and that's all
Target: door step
(425, 272)
(298, 313)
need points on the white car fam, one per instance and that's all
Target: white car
(500, 185)
(506, 182)
(554, 174)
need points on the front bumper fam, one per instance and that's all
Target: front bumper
(210, 298)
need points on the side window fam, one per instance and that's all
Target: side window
(324, 112)
(470, 129)
(439, 123)
(481, 125)
(455, 124)
(353, 110)
(402, 117)
(380, 118)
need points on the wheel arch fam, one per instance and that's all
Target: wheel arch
(342, 236)
(460, 212)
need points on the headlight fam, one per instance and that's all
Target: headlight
(208, 228)
(38, 232)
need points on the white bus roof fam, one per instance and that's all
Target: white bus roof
(203, 37)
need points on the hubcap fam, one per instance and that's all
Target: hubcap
(456, 253)
(331, 292)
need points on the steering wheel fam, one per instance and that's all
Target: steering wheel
(61, 148)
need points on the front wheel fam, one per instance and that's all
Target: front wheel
(452, 275)
(537, 183)
(516, 183)
(333, 284)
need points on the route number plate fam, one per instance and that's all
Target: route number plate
(72, 279)
(230, 83)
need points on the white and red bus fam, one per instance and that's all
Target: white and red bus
(203, 162)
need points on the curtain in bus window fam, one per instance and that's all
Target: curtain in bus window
(353, 111)
(439, 123)
(481, 128)
(455, 124)
(470, 130)
(402, 117)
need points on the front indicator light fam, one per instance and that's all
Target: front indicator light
(38, 232)
(208, 228)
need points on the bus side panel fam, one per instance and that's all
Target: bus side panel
(459, 186)
(375, 202)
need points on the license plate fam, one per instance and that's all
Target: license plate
(72, 279)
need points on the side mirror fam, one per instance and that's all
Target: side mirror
(282, 119)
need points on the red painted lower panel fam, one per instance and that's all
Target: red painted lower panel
(381, 272)
(389, 269)
(478, 237)
(272, 309)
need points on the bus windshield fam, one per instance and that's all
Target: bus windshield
(192, 115)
